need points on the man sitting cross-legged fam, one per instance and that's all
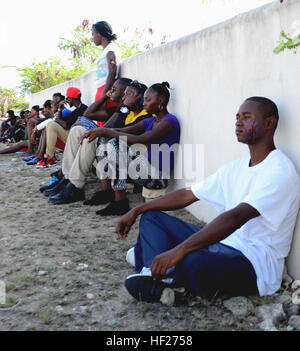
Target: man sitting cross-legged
(242, 251)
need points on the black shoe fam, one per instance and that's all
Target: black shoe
(55, 174)
(53, 182)
(100, 198)
(144, 288)
(137, 188)
(156, 184)
(115, 208)
(57, 189)
(68, 195)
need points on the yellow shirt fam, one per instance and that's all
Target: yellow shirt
(131, 117)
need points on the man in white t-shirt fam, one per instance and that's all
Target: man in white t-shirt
(242, 251)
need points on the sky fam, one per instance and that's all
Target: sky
(31, 29)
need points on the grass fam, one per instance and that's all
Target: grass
(45, 316)
(9, 302)
(28, 279)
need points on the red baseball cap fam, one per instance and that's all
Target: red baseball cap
(73, 93)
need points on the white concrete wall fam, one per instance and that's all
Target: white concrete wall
(211, 72)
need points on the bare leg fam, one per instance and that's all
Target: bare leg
(105, 184)
(120, 195)
(11, 149)
(30, 126)
(60, 174)
(42, 145)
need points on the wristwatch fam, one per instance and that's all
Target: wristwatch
(124, 110)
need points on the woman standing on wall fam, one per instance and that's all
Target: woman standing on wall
(107, 62)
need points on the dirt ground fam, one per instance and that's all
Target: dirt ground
(64, 267)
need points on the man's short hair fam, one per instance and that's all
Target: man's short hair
(36, 108)
(61, 97)
(11, 112)
(267, 107)
(47, 103)
(124, 81)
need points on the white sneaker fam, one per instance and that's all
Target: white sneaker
(130, 258)
(147, 272)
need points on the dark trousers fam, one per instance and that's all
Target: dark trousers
(216, 269)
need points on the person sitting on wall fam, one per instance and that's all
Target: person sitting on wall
(163, 128)
(61, 126)
(242, 251)
(79, 159)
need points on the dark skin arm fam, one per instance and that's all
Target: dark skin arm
(157, 132)
(95, 112)
(59, 120)
(220, 228)
(92, 134)
(112, 70)
(61, 123)
(111, 120)
(171, 201)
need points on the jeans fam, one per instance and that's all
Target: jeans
(215, 269)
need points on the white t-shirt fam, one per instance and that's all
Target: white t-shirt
(102, 66)
(272, 187)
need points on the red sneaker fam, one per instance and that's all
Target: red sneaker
(22, 151)
(46, 162)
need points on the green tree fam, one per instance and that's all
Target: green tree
(80, 56)
(9, 100)
(286, 41)
(42, 75)
(80, 45)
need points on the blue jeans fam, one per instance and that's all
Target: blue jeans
(216, 269)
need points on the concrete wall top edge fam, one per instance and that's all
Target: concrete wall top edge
(218, 26)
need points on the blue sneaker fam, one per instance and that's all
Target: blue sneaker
(33, 161)
(26, 159)
(54, 181)
(57, 188)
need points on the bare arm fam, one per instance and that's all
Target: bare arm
(96, 111)
(155, 133)
(61, 122)
(172, 201)
(112, 70)
(113, 133)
